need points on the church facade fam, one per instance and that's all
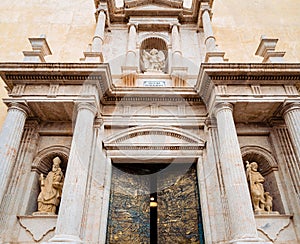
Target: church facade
(152, 137)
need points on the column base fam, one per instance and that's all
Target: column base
(65, 239)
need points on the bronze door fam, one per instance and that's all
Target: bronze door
(129, 212)
(174, 218)
(179, 219)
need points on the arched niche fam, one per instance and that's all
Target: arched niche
(154, 48)
(43, 164)
(43, 160)
(268, 167)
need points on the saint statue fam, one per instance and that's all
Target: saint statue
(51, 189)
(154, 60)
(261, 200)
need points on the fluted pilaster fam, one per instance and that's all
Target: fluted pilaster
(291, 114)
(74, 189)
(10, 139)
(242, 223)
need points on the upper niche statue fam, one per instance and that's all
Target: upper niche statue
(51, 189)
(261, 200)
(154, 60)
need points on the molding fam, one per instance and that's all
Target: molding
(96, 74)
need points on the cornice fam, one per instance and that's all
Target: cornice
(212, 74)
(94, 74)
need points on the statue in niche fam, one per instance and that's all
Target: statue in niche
(261, 200)
(154, 60)
(51, 189)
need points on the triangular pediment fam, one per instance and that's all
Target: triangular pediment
(154, 136)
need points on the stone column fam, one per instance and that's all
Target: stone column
(291, 115)
(99, 32)
(210, 41)
(242, 222)
(178, 72)
(131, 54)
(130, 69)
(212, 54)
(10, 139)
(176, 50)
(95, 54)
(70, 214)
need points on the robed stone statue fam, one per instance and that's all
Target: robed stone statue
(51, 189)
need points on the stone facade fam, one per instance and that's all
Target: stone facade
(153, 90)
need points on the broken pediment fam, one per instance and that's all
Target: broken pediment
(120, 11)
(152, 9)
(163, 3)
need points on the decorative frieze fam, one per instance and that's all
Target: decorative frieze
(256, 90)
(53, 90)
(18, 90)
(291, 90)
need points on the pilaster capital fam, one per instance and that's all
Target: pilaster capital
(288, 107)
(210, 122)
(19, 106)
(86, 106)
(222, 106)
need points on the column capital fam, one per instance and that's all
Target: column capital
(221, 106)
(288, 107)
(129, 24)
(101, 8)
(87, 105)
(205, 7)
(19, 106)
(175, 24)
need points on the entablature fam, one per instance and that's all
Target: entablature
(256, 90)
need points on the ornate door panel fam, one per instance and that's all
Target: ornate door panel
(129, 213)
(179, 219)
(175, 218)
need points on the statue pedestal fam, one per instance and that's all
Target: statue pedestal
(263, 212)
